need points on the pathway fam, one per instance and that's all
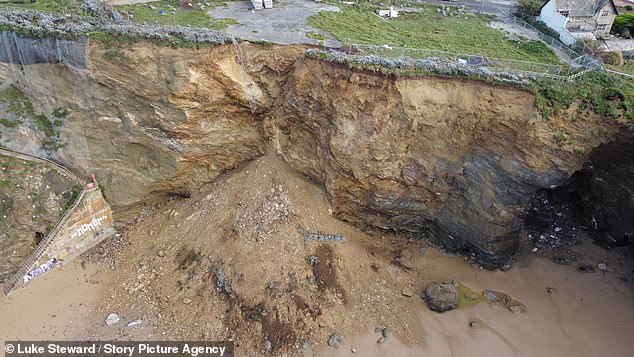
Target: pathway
(86, 223)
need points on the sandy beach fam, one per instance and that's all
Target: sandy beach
(569, 313)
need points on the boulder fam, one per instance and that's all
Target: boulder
(441, 297)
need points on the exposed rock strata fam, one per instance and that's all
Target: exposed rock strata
(454, 159)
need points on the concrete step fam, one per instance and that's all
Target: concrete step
(257, 4)
(268, 4)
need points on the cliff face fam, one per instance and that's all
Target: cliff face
(457, 159)
(451, 158)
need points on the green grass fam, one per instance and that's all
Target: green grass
(560, 137)
(115, 54)
(35, 196)
(627, 67)
(53, 6)
(60, 113)
(192, 17)
(429, 30)
(607, 94)
(5, 183)
(8, 123)
(316, 36)
(44, 125)
(17, 103)
(73, 197)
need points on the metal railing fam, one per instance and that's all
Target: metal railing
(9, 285)
(467, 59)
(45, 243)
(619, 73)
(63, 171)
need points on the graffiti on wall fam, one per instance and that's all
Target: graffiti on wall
(92, 226)
(42, 269)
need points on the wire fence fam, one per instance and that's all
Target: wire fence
(581, 57)
(409, 58)
(466, 59)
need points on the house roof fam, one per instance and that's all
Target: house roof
(582, 7)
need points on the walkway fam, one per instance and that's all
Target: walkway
(86, 223)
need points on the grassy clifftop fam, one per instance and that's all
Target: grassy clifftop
(430, 27)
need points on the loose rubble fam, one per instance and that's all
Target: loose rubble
(335, 340)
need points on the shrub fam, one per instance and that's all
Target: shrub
(44, 125)
(614, 58)
(8, 123)
(60, 113)
(530, 7)
(560, 137)
(115, 54)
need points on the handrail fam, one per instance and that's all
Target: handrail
(45, 243)
(39, 250)
(619, 73)
(29, 157)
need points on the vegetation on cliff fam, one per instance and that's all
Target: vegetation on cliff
(604, 93)
(17, 109)
(52, 6)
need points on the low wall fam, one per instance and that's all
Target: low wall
(88, 223)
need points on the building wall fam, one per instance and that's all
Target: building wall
(556, 21)
(605, 20)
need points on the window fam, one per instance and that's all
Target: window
(601, 27)
(565, 13)
(605, 13)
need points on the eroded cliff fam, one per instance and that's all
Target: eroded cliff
(450, 159)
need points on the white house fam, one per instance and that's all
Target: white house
(579, 19)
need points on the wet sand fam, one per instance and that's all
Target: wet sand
(587, 314)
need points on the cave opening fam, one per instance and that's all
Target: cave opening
(597, 203)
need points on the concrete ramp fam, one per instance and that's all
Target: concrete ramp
(85, 224)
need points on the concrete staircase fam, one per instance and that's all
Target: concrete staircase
(268, 4)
